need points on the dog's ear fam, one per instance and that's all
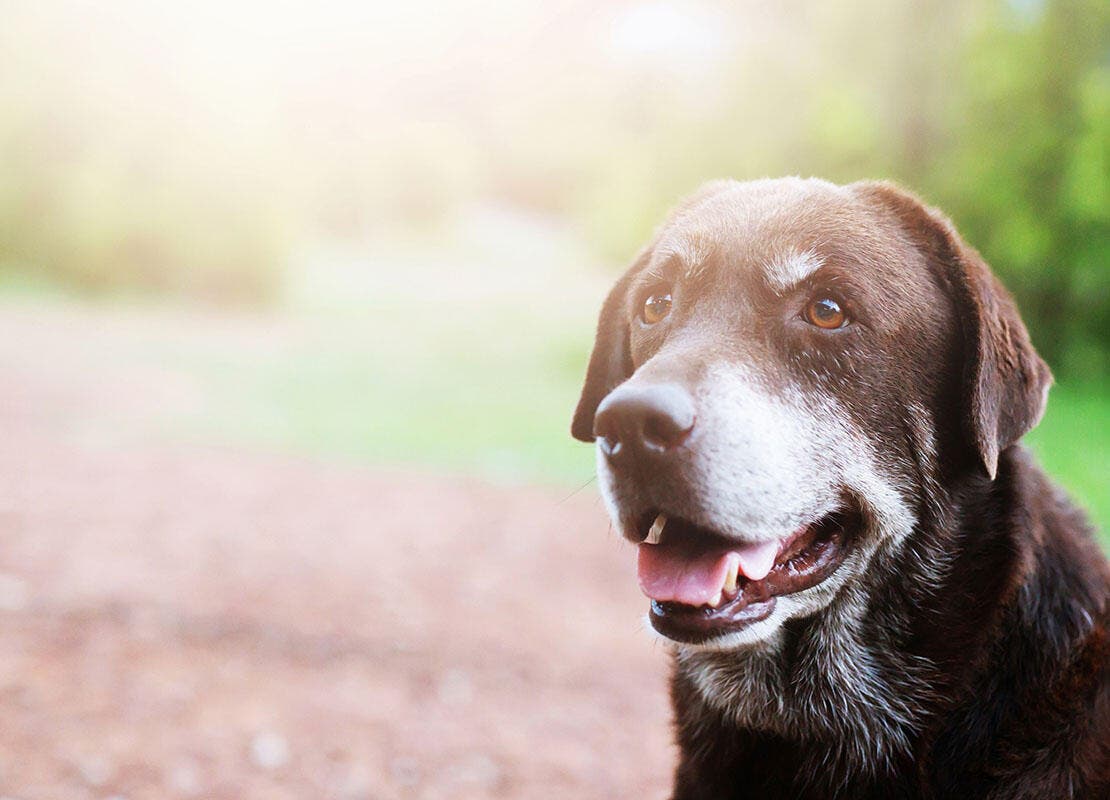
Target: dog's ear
(1005, 381)
(611, 360)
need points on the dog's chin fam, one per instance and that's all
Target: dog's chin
(748, 609)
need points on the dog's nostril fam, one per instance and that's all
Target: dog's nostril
(610, 445)
(607, 432)
(666, 431)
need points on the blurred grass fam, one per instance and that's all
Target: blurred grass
(1073, 444)
(477, 391)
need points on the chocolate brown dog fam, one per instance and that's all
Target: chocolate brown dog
(807, 400)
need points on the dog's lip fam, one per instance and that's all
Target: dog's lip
(804, 558)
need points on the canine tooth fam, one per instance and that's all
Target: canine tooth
(716, 601)
(656, 529)
(731, 577)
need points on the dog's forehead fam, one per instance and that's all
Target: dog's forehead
(778, 230)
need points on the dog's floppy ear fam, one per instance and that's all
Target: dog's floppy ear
(1005, 381)
(611, 360)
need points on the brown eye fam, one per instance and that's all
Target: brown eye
(826, 313)
(656, 307)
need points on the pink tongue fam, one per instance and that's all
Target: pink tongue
(669, 573)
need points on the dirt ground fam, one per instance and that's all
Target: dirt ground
(195, 621)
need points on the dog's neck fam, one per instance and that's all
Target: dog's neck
(838, 680)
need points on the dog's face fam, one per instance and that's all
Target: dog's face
(778, 385)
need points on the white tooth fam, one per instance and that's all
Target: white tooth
(731, 578)
(656, 529)
(716, 601)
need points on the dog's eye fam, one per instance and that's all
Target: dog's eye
(826, 313)
(656, 307)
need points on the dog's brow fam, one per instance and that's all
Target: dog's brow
(685, 255)
(790, 269)
(696, 269)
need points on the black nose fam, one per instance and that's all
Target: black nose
(638, 421)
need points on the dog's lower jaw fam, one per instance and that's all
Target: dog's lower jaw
(833, 679)
(759, 634)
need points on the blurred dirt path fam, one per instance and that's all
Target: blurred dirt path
(191, 621)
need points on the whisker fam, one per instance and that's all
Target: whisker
(580, 488)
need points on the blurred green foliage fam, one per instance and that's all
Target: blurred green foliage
(192, 149)
(999, 113)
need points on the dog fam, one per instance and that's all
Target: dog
(807, 401)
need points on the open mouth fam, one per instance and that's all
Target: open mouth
(703, 585)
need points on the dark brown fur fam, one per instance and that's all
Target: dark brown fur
(1019, 675)
(1005, 662)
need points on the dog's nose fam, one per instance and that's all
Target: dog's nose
(643, 420)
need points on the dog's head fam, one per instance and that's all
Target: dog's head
(781, 382)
